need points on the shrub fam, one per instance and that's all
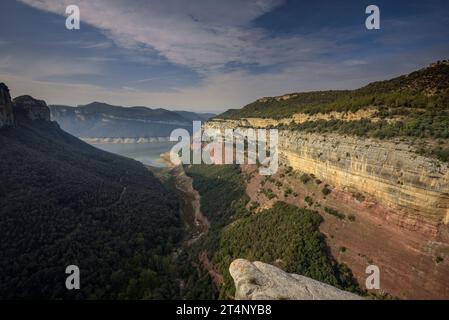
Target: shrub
(254, 205)
(442, 154)
(326, 191)
(305, 178)
(308, 200)
(358, 196)
(335, 213)
(269, 193)
(288, 192)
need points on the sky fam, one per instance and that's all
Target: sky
(211, 55)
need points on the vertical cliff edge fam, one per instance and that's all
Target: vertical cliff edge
(21, 109)
(6, 113)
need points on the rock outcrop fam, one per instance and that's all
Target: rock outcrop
(23, 108)
(298, 118)
(261, 281)
(28, 108)
(6, 112)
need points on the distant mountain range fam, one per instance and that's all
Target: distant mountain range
(101, 120)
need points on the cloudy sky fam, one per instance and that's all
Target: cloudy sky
(211, 55)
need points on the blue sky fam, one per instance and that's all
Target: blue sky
(210, 55)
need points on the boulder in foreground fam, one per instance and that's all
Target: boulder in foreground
(261, 281)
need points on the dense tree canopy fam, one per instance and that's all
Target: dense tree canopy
(63, 202)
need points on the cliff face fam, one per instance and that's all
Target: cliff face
(261, 281)
(24, 108)
(299, 118)
(390, 172)
(6, 113)
(387, 171)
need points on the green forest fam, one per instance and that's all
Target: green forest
(63, 202)
(286, 236)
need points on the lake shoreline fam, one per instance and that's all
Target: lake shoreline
(124, 140)
(148, 153)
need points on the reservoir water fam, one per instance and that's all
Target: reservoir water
(147, 153)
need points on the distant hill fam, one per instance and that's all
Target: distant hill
(192, 116)
(425, 88)
(64, 202)
(101, 120)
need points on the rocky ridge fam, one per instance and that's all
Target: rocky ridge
(28, 108)
(6, 113)
(23, 108)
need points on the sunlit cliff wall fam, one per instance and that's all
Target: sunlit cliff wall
(418, 187)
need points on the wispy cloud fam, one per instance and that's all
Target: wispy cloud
(46, 68)
(210, 54)
(204, 35)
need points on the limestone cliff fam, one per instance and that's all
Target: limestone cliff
(261, 281)
(298, 118)
(390, 172)
(6, 113)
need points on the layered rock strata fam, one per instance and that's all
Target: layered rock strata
(416, 186)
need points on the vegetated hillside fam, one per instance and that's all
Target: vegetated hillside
(427, 88)
(100, 120)
(284, 235)
(63, 202)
